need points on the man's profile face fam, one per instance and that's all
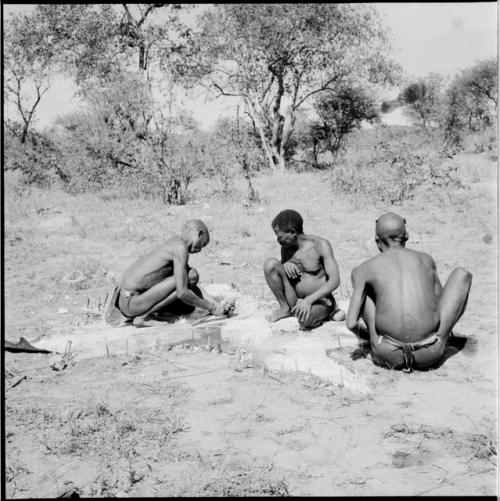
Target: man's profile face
(200, 240)
(285, 238)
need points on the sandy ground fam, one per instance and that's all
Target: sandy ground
(185, 420)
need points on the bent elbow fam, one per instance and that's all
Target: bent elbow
(182, 294)
(334, 284)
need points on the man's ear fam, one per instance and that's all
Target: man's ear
(200, 233)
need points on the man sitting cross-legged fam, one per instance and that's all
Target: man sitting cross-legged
(408, 315)
(306, 276)
(161, 282)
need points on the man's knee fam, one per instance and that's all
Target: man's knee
(271, 264)
(310, 323)
(463, 275)
(193, 276)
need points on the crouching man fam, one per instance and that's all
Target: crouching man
(162, 282)
(306, 276)
(408, 315)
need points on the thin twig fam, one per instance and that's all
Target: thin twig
(482, 471)
(433, 488)
(196, 374)
(275, 378)
(16, 382)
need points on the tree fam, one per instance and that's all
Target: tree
(481, 81)
(27, 64)
(471, 100)
(340, 112)
(94, 39)
(424, 98)
(276, 57)
(38, 158)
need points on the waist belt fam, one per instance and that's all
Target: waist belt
(409, 348)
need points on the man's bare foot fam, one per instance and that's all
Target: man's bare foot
(338, 315)
(279, 314)
(141, 321)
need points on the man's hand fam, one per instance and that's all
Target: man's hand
(302, 309)
(291, 270)
(223, 309)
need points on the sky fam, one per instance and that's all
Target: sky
(427, 37)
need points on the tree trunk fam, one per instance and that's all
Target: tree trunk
(260, 129)
(24, 134)
(277, 146)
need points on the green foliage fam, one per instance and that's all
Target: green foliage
(37, 159)
(81, 37)
(339, 113)
(424, 98)
(95, 40)
(269, 53)
(122, 140)
(390, 164)
(232, 149)
(28, 63)
(471, 101)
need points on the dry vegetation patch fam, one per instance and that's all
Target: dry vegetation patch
(145, 426)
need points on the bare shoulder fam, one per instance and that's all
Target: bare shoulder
(321, 243)
(173, 247)
(426, 258)
(369, 266)
(359, 274)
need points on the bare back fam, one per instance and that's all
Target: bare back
(405, 289)
(154, 266)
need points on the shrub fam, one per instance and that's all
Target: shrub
(389, 164)
(37, 161)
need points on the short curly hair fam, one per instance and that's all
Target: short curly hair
(287, 220)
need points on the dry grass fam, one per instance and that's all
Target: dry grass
(74, 268)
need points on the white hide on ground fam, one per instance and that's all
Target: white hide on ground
(279, 346)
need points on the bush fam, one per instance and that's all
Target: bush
(37, 161)
(232, 150)
(389, 164)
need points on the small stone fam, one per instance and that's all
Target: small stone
(401, 459)
(57, 363)
(487, 239)
(62, 311)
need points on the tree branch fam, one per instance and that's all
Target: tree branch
(149, 9)
(224, 93)
(315, 91)
(130, 19)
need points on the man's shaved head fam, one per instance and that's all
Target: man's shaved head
(391, 226)
(196, 225)
(288, 220)
(196, 234)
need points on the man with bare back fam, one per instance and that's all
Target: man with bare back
(305, 278)
(408, 314)
(162, 282)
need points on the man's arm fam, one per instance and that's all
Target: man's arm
(438, 287)
(292, 271)
(302, 308)
(180, 259)
(357, 299)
